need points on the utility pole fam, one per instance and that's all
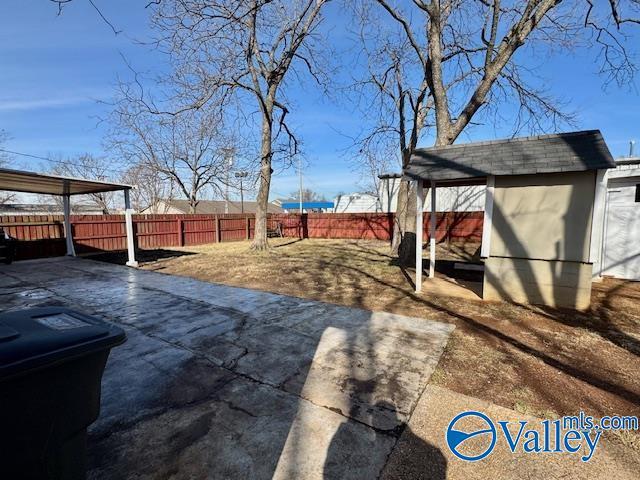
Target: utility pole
(229, 155)
(241, 175)
(300, 173)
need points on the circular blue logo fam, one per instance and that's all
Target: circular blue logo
(457, 439)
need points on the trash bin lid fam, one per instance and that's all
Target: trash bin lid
(37, 337)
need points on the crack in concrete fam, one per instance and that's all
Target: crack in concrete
(197, 354)
(124, 426)
(236, 408)
(233, 363)
(230, 367)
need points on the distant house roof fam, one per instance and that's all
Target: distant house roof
(214, 207)
(47, 209)
(280, 201)
(562, 152)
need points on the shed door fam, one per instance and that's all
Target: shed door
(622, 231)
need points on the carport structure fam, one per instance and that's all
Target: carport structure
(543, 207)
(32, 182)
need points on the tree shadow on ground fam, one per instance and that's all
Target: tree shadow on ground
(142, 256)
(427, 459)
(599, 320)
(531, 348)
(291, 242)
(354, 279)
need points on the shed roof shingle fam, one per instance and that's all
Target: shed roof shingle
(560, 152)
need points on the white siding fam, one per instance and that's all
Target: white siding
(448, 199)
(356, 203)
(458, 199)
(618, 249)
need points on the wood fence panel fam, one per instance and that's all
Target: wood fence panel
(43, 235)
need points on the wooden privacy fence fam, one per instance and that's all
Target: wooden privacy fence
(43, 235)
(449, 225)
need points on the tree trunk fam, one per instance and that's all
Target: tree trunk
(403, 244)
(404, 237)
(260, 232)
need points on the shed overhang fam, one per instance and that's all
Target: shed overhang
(557, 153)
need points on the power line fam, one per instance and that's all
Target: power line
(46, 159)
(68, 162)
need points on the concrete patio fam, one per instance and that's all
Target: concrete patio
(223, 382)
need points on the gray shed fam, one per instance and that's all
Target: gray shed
(542, 193)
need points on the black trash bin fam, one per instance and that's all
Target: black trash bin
(51, 365)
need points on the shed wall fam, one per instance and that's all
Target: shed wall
(544, 217)
(543, 282)
(540, 239)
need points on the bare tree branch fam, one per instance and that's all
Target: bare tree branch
(61, 3)
(459, 65)
(186, 149)
(244, 49)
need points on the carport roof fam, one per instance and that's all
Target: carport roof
(561, 152)
(31, 182)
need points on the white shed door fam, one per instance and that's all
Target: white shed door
(622, 231)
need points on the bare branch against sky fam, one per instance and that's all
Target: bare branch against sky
(92, 167)
(435, 68)
(60, 4)
(432, 69)
(243, 53)
(188, 150)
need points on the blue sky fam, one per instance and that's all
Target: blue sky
(54, 69)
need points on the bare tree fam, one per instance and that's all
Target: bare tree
(245, 49)
(401, 104)
(441, 64)
(187, 150)
(90, 167)
(308, 195)
(151, 187)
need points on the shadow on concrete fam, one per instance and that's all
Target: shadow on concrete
(273, 388)
(428, 460)
(190, 385)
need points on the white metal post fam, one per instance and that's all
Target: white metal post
(432, 232)
(68, 234)
(419, 208)
(129, 227)
(487, 222)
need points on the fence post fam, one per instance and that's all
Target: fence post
(180, 236)
(218, 233)
(247, 227)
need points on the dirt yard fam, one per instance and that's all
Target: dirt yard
(538, 361)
